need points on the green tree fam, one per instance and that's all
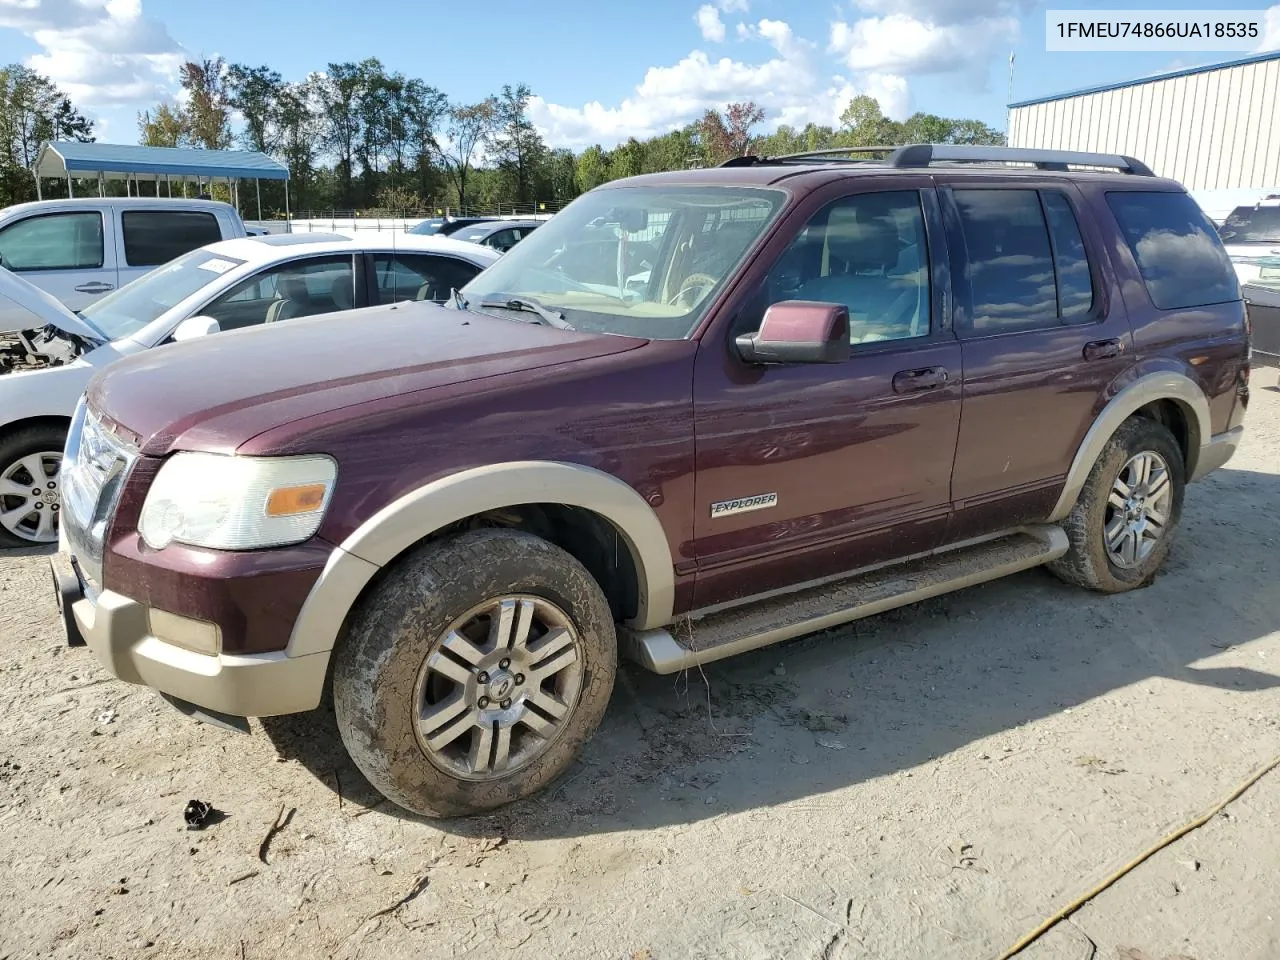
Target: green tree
(517, 145)
(207, 114)
(255, 92)
(32, 110)
(340, 92)
(162, 127)
(864, 125)
(467, 128)
(591, 169)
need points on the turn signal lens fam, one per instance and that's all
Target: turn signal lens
(290, 501)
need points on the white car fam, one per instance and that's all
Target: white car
(1251, 235)
(48, 354)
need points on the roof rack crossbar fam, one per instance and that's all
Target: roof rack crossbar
(922, 155)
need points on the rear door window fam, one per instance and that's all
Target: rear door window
(1179, 254)
(1010, 274)
(1070, 261)
(54, 241)
(153, 237)
(420, 276)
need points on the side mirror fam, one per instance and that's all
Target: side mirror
(799, 331)
(193, 327)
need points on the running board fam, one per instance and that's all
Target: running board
(756, 625)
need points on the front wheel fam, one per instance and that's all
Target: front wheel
(1122, 525)
(30, 461)
(475, 671)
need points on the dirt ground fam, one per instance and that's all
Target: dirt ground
(931, 783)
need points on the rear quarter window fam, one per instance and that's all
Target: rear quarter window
(153, 237)
(1179, 254)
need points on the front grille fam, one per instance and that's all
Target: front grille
(95, 466)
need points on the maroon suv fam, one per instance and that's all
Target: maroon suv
(694, 414)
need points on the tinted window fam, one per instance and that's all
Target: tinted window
(297, 289)
(503, 240)
(56, 241)
(420, 276)
(1010, 262)
(868, 252)
(152, 237)
(1180, 257)
(1071, 263)
(1251, 225)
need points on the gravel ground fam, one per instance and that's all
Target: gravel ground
(929, 783)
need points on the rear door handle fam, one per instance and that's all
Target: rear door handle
(913, 381)
(96, 286)
(1102, 349)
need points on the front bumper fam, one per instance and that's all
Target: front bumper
(118, 631)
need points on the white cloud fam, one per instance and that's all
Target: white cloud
(787, 84)
(903, 45)
(733, 6)
(709, 22)
(744, 32)
(946, 12)
(100, 52)
(1271, 30)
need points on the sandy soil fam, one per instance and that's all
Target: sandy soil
(931, 783)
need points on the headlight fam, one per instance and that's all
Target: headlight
(236, 503)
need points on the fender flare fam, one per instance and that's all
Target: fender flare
(1165, 385)
(419, 513)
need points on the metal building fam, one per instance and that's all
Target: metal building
(1214, 128)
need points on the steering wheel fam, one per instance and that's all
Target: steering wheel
(695, 281)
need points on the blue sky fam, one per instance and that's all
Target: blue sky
(601, 71)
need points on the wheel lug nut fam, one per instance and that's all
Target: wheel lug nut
(51, 485)
(504, 664)
(482, 702)
(506, 704)
(483, 678)
(519, 679)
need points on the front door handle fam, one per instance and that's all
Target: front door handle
(925, 378)
(1102, 349)
(96, 287)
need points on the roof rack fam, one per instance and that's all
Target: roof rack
(923, 155)
(826, 154)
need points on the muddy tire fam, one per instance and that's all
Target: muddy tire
(1123, 524)
(472, 674)
(30, 459)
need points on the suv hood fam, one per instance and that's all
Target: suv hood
(217, 392)
(24, 306)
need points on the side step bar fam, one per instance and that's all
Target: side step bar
(756, 625)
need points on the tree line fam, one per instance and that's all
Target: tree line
(359, 137)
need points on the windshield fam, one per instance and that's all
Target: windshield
(1251, 225)
(636, 261)
(426, 228)
(129, 309)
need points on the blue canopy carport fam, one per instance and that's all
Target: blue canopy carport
(113, 161)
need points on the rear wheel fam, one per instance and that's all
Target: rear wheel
(30, 461)
(472, 675)
(1122, 526)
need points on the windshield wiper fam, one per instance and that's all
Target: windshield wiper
(551, 318)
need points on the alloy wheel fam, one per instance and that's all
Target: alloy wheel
(29, 497)
(496, 691)
(1138, 509)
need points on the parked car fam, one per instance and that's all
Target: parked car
(838, 388)
(501, 235)
(48, 354)
(1264, 321)
(444, 226)
(80, 249)
(1252, 238)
